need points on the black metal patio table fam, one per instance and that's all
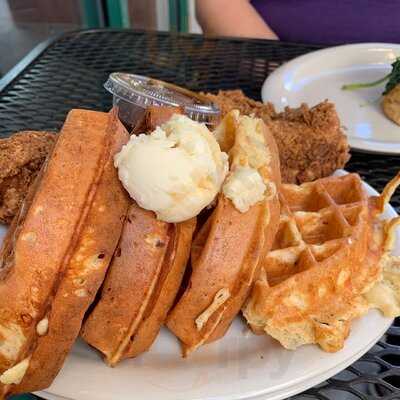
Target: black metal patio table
(68, 72)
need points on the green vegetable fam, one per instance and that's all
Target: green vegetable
(394, 77)
(354, 86)
(393, 80)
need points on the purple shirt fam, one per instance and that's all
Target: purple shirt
(332, 21)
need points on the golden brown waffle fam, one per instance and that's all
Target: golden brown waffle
(227, 249)
(144, 276)
(56, 253)
(141, 285)
(317, 219)
(325, 257)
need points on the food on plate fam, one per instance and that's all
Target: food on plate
(228, 100)
(56, 252)
(329, 264)
(391, 94)
(144, 276)
(391, 104)
(227, 249)
(21, 157)
(176, 170)
(81, 255)
(310, 140)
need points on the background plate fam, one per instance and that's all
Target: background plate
(320, 75)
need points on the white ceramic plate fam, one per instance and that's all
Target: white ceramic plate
(240, 366)
(320, 75)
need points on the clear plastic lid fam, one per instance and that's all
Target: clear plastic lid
(143, 91)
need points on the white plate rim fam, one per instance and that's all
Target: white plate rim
(279, 394)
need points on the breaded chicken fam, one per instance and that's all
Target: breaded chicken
(228, 100)
(21, 157)
(310, 141)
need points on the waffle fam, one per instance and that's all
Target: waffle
(141, 285)
(143, 279)
(326, 258)
(56, 253)
(227, 249)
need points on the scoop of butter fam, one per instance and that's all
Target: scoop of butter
(242, 137)
(175, 171)
(245, 187)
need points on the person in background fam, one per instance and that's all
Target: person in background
(307, 21)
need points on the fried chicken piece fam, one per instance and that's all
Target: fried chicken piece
(228, 100)
(310, 141)
(21, 157)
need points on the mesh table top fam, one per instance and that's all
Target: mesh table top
(68, 72)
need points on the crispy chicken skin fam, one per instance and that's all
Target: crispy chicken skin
(228, 100)
(310, 141)
(21, 157)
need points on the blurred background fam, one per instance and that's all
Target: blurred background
(26, 23)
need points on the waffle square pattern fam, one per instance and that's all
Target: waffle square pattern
(330, 252)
